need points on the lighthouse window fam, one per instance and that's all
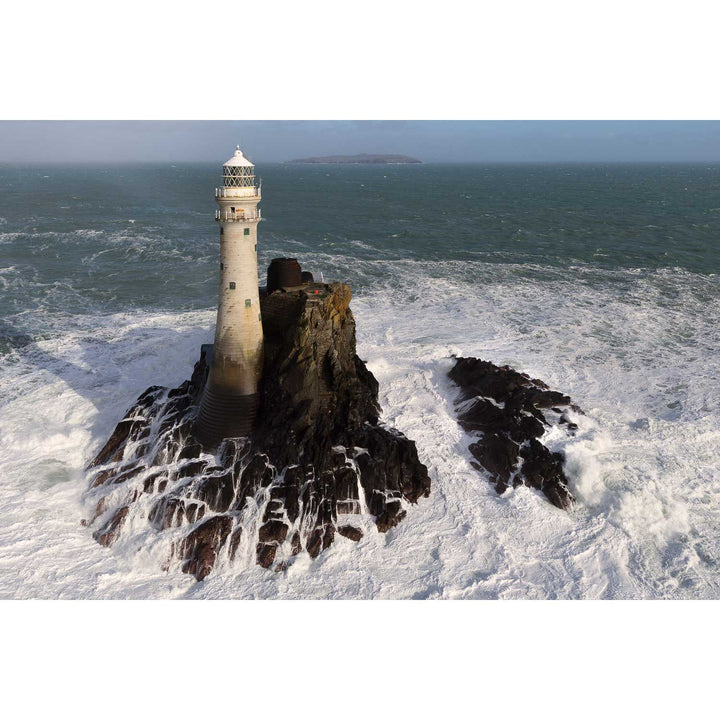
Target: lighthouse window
(248, 303)
(221, 231)
(232, 285)
(247, 231)
(234, 176)
(221, 266)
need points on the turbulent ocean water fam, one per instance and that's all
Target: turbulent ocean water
(601, 280)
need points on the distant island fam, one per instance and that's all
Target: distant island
(363, 159)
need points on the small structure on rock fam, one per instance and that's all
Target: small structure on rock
(285, 274)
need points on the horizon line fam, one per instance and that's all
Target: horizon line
(57, 163)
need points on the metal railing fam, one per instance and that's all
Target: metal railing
(221, 216)
(222, 192)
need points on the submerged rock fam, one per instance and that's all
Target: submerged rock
(507, 412)
(318, 451)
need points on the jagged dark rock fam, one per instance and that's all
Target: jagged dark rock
(318, 451)
(108, 533)
(199, 548)
(504, 410)
(350, 532)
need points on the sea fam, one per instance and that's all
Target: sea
(601, 280)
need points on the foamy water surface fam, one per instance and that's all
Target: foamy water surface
(97, 308)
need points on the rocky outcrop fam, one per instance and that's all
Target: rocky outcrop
(316, 466)
(507, 413)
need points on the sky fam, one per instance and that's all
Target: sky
(429, 141)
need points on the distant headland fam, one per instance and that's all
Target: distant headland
(363, 159)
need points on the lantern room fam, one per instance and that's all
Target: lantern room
(238, 171)
(238, 178)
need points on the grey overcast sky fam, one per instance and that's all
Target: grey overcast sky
(430, 141)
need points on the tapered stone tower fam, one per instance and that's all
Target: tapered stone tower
(230, 399)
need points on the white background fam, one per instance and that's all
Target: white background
(370, 60)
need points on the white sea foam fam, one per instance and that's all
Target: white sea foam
(634, 349)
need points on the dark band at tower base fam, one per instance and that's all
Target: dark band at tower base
(225, 416)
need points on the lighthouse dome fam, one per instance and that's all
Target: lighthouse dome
(238, 160)
(239, 174)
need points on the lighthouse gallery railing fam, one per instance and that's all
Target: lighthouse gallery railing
(222, 192)
(224, 216)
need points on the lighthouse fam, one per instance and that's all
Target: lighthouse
(230, 397)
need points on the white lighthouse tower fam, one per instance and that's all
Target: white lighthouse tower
(230, 399)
